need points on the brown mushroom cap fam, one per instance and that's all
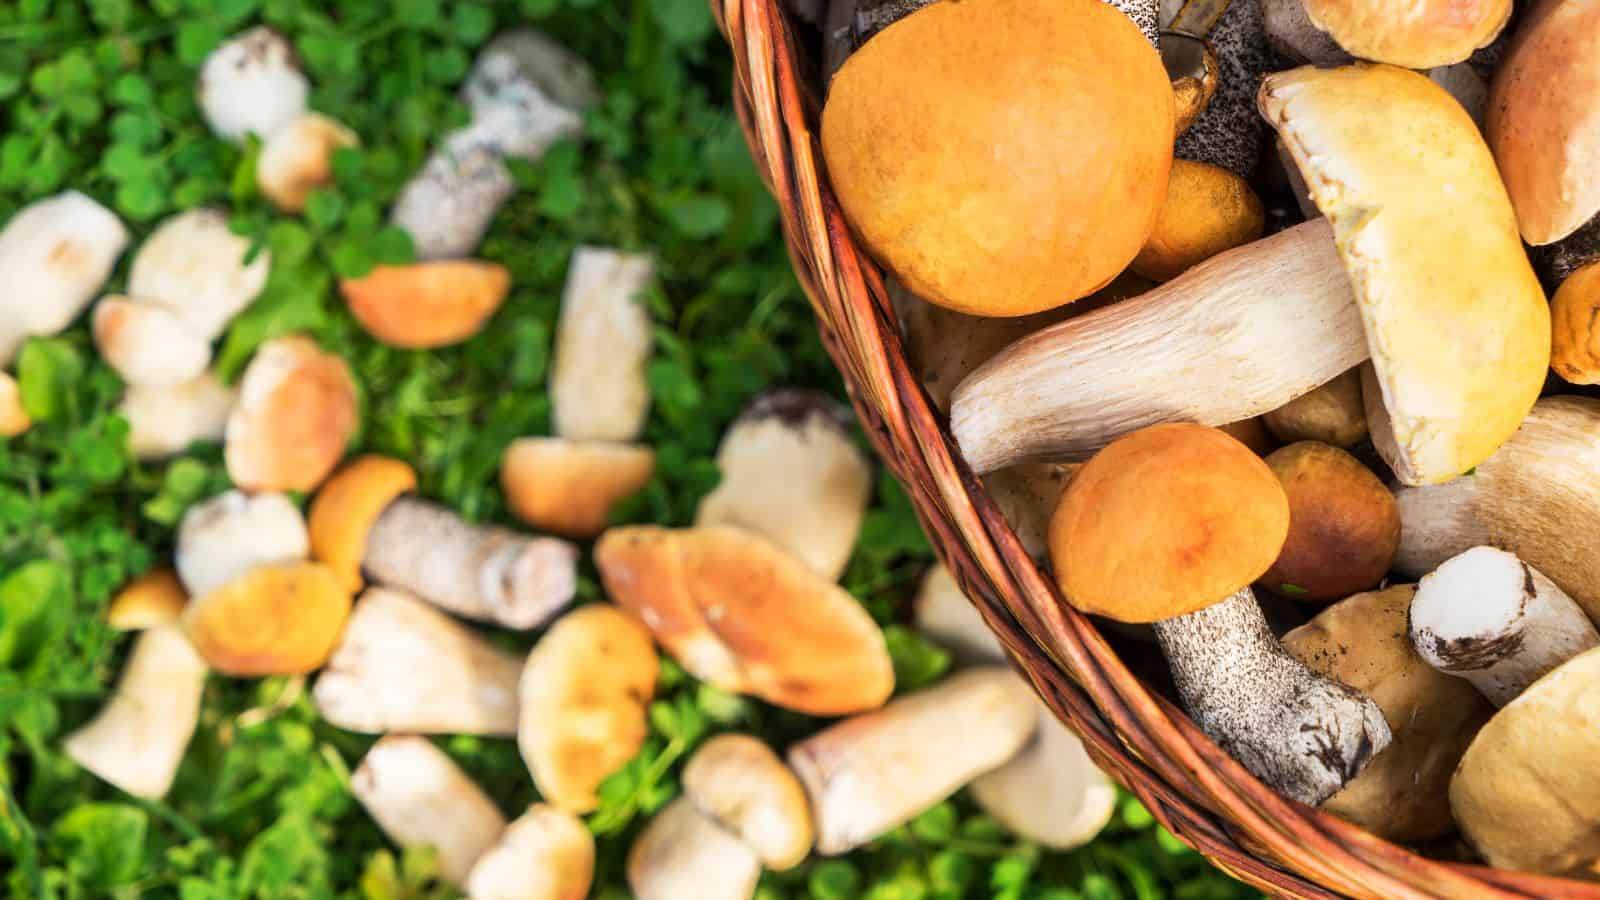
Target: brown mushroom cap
(1575, 339)
(1544, 119)
(1002, 157)
(1208, 209)
(297, 410)
(1419, 34)
(569, 487)
(1363, 642)
(1344, 526)
(740, 613)
(428, 304)
(275, 620)
(1166, 521)
(154, 598)
(1332, 414)
(349, 504)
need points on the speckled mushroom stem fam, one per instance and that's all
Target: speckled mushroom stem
(474, 571)
(1230, 132)
(1304, 735)
(1578, 250)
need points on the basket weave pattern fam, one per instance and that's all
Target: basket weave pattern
(1145, 742)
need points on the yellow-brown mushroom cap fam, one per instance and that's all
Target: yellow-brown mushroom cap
(1344, 526)
(154, 598)
(428, 304)
(349, 504)
(274, 620)
(1575, 337)
(569, 487)
(1419, 34)
(1208, 209)
(1166, 521)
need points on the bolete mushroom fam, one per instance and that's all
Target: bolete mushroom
(684, 853)
(421, 798)
(155, 598)
(232, 533)
(877, 770)
(165, 421)
(402, 666)
(1331, 414)
(297, 411)
(252, 84)
(584, 693)
(279, 619)
(427, 305)
(298, 158)
(1208, 210)
(737, 611)
(1051, 792)
(569, 487)
(1402, 795)
(952, 99)
(14, 418)
(138, 739)
(546, 854)
(792, 473)
(738, 782)
(1228, 133)
(1170, 525)
(1527, 792)
(55, 255)
(598, 390)
(194, 266)
(1366, 137)
(1418, 35)
(148, 344)
(448, 206)
(1530, 498)
(1492, 619)
(1343, 525)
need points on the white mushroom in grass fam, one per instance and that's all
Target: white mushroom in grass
(148, 344)
(598, 389)
(165, 420)
(682, 853)
(738, 782)
(420, 798)
(154, 598)
(448, 207)
(252, 84)
(232, 533)
(545, 854)
(298, 158)
(197, 268)
(55, 255)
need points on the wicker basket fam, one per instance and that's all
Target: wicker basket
(1144, 741)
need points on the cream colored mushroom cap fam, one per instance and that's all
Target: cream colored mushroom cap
(1456, 320)
(1418, 34)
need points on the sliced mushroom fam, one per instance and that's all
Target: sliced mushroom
(165, 421)
(683, 853)
(402, 666)
(877, 770)
(738, 782)
(1402, 795)
(139, 737)
(569, 487)
(154, 598)
(280, 619)
(147, 343)
(55, 255)
(792, 474)
(1343, 525)
(1208, 210)
(526, 92)
(195, 266)
(14, 418)
(298, 158)
(232, 533)
(546, 854)
(252, 84)
(297, 411)
(603, 340)
(584, 693)
(1450, 396)
(737, 611)
(1332, 414)
(427, 305)
(420, 798)
(448, 207)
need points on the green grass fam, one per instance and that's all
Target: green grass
(98, 95)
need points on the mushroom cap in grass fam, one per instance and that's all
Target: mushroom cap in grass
(1456, 320)
(275, 620)
(1166, 521)
(1417, 34)
(427, 304)
(569, 487)
(1002, 157)
(154, 598)
(1344, 527)
(349, 504)
(297, 409)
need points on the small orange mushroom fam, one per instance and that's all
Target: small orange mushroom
(429, 304)
(154, 598)
(1575, 346)
(297, 410)
(275, 620)
(349, 504)
(1208, 210)
(569, 487)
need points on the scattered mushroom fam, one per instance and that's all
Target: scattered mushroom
(14, 418)
(1051, 792)
(1526, 794)
(54, 257)
(792, 474)
(402, 666)
(1402, 795)
(546, 854)
(1343, 525)
(526, 92)
(682, 853)
(1027, 495)
(295, 415)
(280, 619)
(584, 692)
(148, 344)
(1530, 498)
(198, 269)
(877, 770)
(298, 158)
(1208, 210)
(232, 533)
(1170, 525)
(1493, 620)
(252, 84)
(1420, 36)
(1331, 414)
(346, 508)
(165, 421)
(427, 305)
(740, 613)
(448, 207)
(603, 341)
(737, 782)
(1449, 397)
(569, 487)
(154, 598)
(420, 798)
(139, 737)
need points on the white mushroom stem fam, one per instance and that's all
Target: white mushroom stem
(195, 267)
(546, 854)
(682, 853)
(603, 343)
(791, 473)
(164, 421)
(479, 572)
(1222, 332)
(232, 533)
(251, 85)
(55, 255)
(1531, 498)
(878, 770)
(449, 205)
(420, 798)
(1051, 793)
(139, 737)
(1493, 620)
(528, 92)
(739, 783)
(1304, 735)
(403, 666)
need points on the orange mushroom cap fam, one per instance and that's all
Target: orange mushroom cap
(429, 304)
(274, 620)
(349, 504)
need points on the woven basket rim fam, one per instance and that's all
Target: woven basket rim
(1147, 744)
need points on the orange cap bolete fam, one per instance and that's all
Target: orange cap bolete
(569, 487)
(275, 620)
(349, 504)
(1208, 209)
(154, 598)
(428, 304)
